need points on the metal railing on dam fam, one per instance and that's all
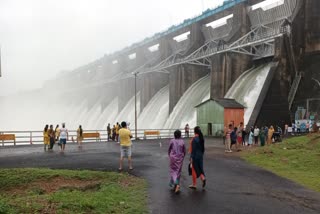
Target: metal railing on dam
(187, 22)
(249, 44)
(36, 137)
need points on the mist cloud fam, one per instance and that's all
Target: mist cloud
(41, 38)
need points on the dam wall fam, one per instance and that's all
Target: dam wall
(286, 34)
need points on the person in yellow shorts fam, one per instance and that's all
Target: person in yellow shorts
(46, 139)
(125, 145)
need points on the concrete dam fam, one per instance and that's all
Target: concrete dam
(265, 56)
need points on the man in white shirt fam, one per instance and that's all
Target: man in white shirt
(256, 133)
(63, 137)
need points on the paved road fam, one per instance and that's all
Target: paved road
(233, 186)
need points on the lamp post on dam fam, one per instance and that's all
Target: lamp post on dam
(135, 105)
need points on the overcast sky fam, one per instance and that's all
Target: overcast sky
(40, 38)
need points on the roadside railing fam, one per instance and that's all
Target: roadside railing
(36, 137)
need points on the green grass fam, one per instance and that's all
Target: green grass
(297, 159)
(30, 191)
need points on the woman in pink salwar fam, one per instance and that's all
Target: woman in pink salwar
(176, 152)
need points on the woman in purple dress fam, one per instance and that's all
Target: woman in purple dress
(176, 152)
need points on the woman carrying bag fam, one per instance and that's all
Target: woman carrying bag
(196, 151)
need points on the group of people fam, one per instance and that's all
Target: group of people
(264, 134)
(176, 152)
(60, 136)
(113, 133)
(298, 128)
(240, 137)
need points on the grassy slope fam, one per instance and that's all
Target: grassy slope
(116, 193)
(296, 158)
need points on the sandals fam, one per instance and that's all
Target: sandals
(204, 183)
(177, 189)
(192, 187)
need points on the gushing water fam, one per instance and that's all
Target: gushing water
(93, 115)
(127, 113)
(184, 112)
(155, 114)
(35, 113)
(77, 110)
(247, 88)
(109, 114)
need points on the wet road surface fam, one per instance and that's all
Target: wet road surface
(233, 186)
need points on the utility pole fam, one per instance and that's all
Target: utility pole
(0, 62)
(135, 106)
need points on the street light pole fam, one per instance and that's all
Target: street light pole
(135, 105)
(0, 62)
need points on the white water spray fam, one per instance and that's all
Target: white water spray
(184, 112)
(127, 113)
(108, 115)
(155, 114)
(247, 88)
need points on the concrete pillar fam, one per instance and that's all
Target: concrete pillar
(312, 25)
(151, 84)
(227, 67)
(125, 92)
(183, 76)
(218, 76)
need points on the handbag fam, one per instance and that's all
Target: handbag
(190, 169)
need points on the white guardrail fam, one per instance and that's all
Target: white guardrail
(36, 137)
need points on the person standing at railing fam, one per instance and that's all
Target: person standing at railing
(51, 137)
(46, 139)
(63, 137)
(57, 133)
(117, 131)
(114, 133)
(109, 131)
(79, 136)
(186, 130)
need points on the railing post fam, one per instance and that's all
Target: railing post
(30, 137)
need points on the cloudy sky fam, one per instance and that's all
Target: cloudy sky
(40, 38)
